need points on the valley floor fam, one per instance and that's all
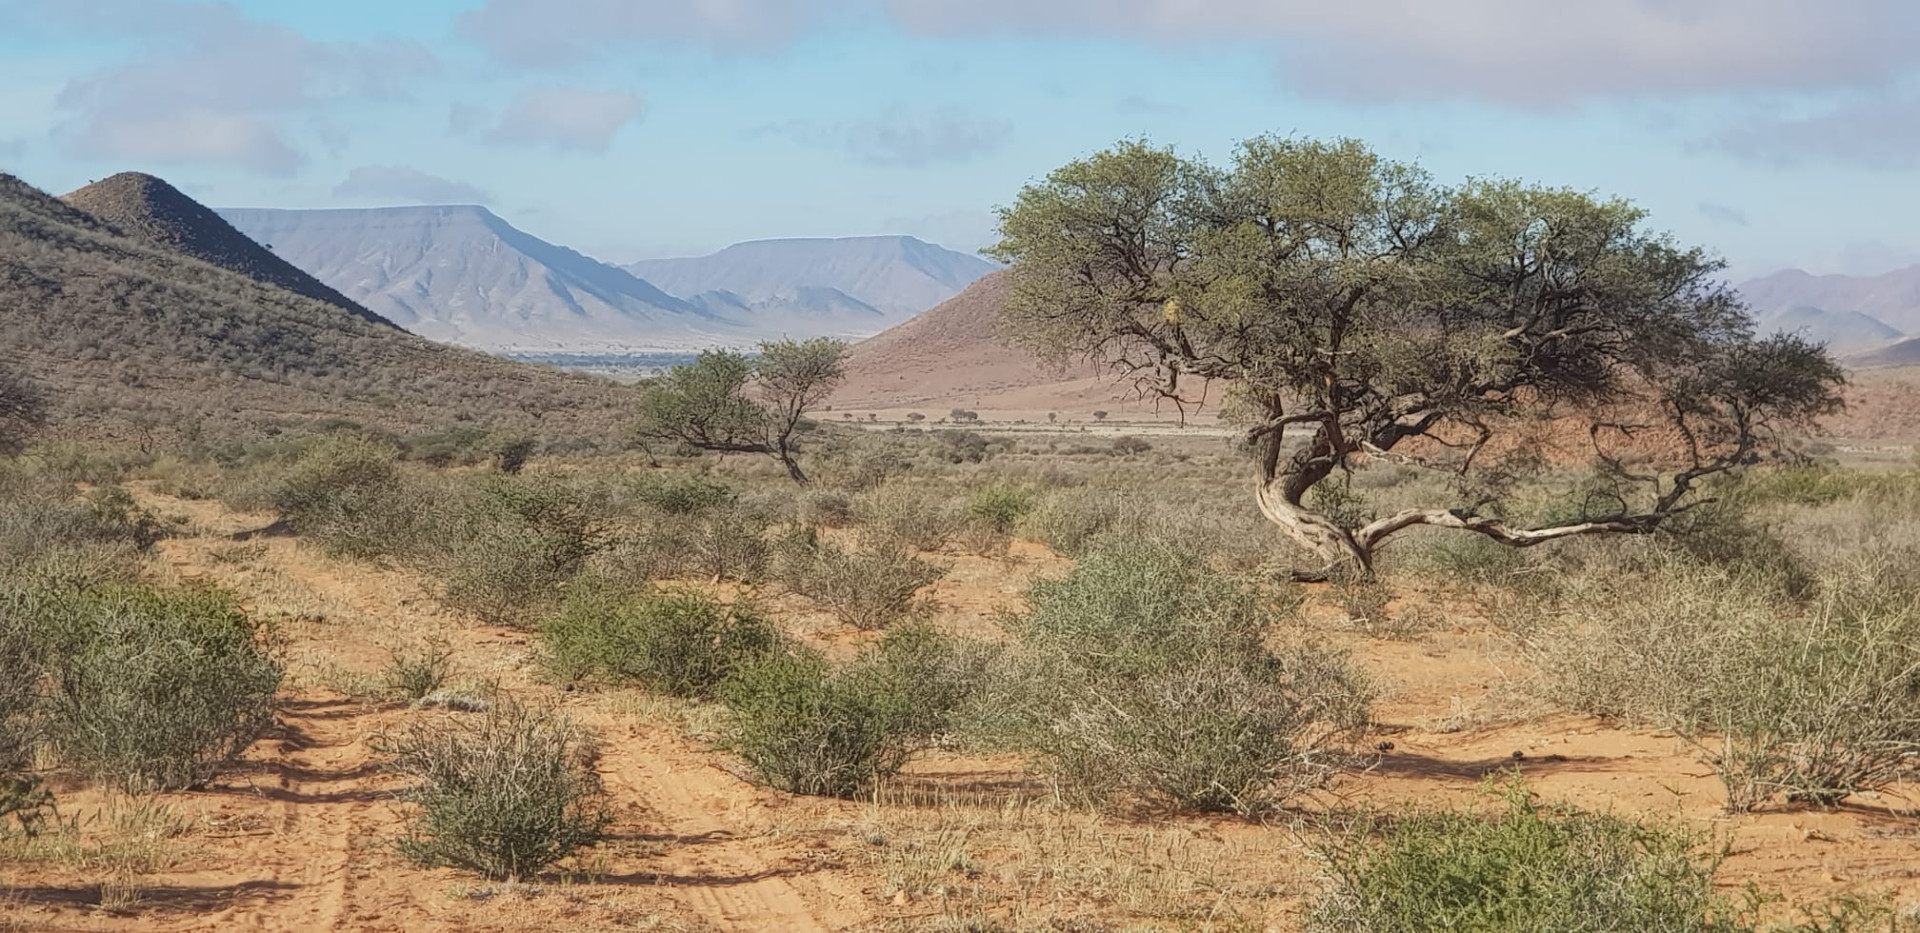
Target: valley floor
(299, 837)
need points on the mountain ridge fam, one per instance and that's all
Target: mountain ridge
(462, 274)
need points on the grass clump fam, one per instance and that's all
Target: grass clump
(1144, 674)
(417, 671)
(155, 689)
(503, 794)
(676, 642)
(869, 585)
(907, 516)
(806, 726)
(1808, 703)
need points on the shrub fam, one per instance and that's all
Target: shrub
(23, 411)
(999, 508)
(826, 508)
(1128, 445)
(1068, 520)
(418, 671)
(156, 690)
(1531, 868)
(514, 547)
(22, 798)
(348, 495)
(675, 642)
(1143, 673)
(909, 516)
(511, 456)
(808, 728)
(681, 494)
(867, 586)
(504, 794)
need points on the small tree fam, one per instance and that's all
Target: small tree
(914, 417)
(23, 410)
(1350, 298)
(962, 415)
(730, 403)
(1099, 416)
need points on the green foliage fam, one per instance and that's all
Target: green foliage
(1530, 868)
(806, 727)
(504, 794)
(1349, 298)
(1142, 673)
(153, 689)
(683, 494)
(729, 403)
(681, 643)
(349, 495)
(514, 545)
(1000, 508)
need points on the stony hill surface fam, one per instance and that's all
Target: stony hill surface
(148, 208)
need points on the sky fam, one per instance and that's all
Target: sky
(1775, 133)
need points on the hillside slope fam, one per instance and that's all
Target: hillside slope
(848, 286)
(460, 274)
(148, 208)
(951, 357)
(133, 337)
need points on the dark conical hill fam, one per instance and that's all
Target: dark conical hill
(146, 207)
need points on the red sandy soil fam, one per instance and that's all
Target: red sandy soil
(298, 837)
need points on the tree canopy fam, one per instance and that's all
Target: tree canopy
(1352, 305)
(729, 402)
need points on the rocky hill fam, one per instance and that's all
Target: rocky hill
(148, 208)
(462, 275)
(133, 337)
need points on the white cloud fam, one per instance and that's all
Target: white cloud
(405, 183)
(210, 85)
(1528, 53)
(567, 118)
(1881, 132)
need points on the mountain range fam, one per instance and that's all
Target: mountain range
(463, 275)
(856, 286)
(1854, 315)
(140, 331)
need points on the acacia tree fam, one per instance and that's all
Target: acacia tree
(728, 402)
(1353, 309)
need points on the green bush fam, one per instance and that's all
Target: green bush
(22, 798)
(516, 544)
(504, 794)
(676, 642)
(1000, 508)
(681, 494)
(349, 495)
(1143, 673)
(806, 727)
(1531, 868)
(155, 689)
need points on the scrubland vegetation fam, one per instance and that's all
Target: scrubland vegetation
(1168, 666)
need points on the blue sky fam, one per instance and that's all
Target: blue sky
(1775, 132)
